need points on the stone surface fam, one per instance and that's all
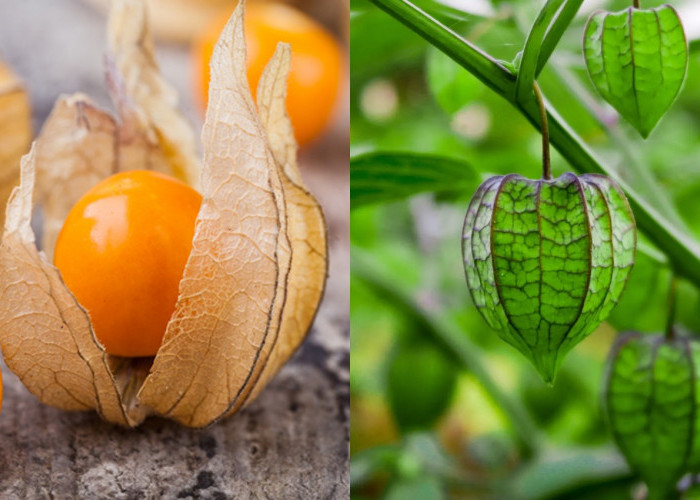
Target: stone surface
(292, 442)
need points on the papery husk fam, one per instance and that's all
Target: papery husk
(46, 337)
(15, 131)
(81, 144)
(185, 21)
(179, 21)
(306, 226)
(281, 232)
(250, 288)
(154, 98)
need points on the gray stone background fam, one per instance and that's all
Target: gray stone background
(292, 442)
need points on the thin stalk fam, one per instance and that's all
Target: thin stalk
(546, 160)
(451, 338)
(671, 318)
(644, 178)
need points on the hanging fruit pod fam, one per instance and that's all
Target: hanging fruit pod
(651, 402)
(547, 260)
(637, 60)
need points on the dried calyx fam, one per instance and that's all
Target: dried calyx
(257, 269)
(15, 131)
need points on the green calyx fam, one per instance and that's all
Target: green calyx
(651, 402)
(547, 260)
(637, 60)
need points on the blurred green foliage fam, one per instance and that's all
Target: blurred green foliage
(409, 98)
(420, 384)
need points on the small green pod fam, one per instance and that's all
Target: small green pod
(547, 260)
(651, 401)
(637, 60)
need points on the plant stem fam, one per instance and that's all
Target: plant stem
(681, 249)
(635, 4)
(527, 72)
(671, 318)
(635, 165)
(556, 30)
(451, 338)
(546, 160)
(544, 35)
(694, 45)
(492, 73)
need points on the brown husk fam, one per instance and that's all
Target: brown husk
(256, 272)
(179, 21)
(15, 131)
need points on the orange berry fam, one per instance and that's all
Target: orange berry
(122, 251)
(316, 65)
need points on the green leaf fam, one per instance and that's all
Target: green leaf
(428, 453)
(420, 386)
(651, 401)
(547, 260)
(420, 488)
(637, 60)
(559, 471)
(643, 305)
(383, 177)
(397, 46)
(452, 86)
(692, 493)
(447, 334)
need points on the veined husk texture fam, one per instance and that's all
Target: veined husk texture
(547, 260)
(256, 273)
(651, 401)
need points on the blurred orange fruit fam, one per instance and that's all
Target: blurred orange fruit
(316, 66)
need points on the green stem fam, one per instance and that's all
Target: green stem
(546, 31)
(556, 31)
(683, 251)
(546, 161)
(493, 74)
(671, 317)
(645, 180)
(531, 52)
(694, 45)
(450, 338)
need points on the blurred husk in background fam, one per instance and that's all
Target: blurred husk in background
(182, 21)
(15, 131)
